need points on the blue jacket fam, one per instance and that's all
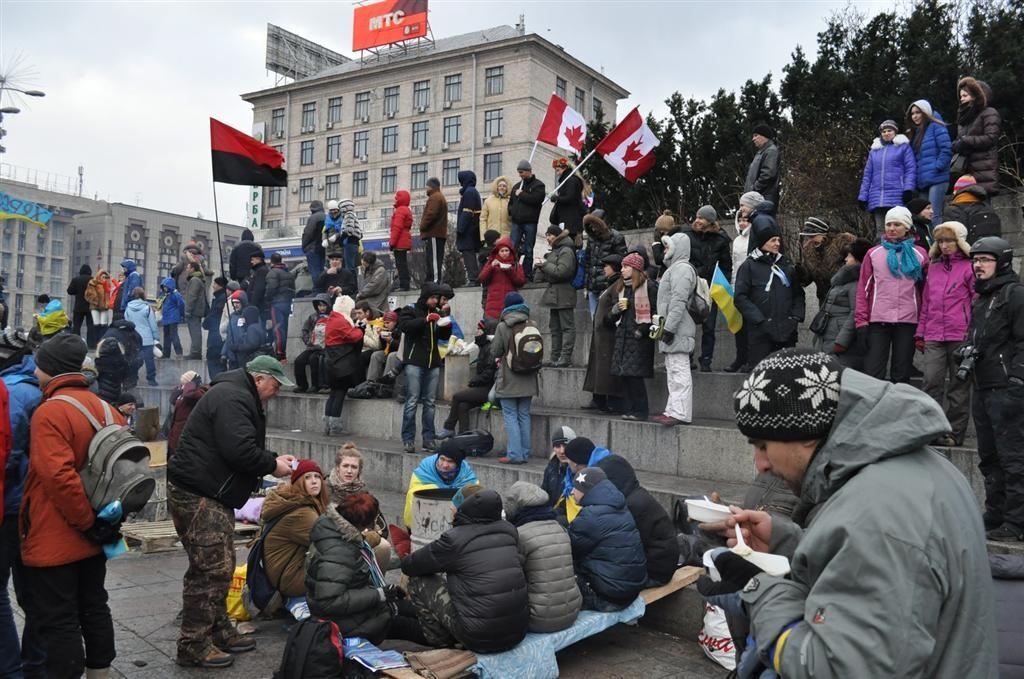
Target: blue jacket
(173, 308)
(144, 318)
(131, 281)
(935, 154)
(467, 231)
(890, 170)
(606, 547)
(245, 337)
(24, 396)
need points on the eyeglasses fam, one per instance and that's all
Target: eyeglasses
(984, 259)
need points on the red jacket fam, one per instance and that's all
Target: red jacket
(6, 440)
(401, 223)
(55, 510)
(500, 281)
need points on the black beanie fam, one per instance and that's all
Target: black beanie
(579, 450)
(453, 450)
(62, 353)
(917, 204)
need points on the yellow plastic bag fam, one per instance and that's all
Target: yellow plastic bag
(235, 604)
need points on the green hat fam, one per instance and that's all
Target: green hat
(268, 365)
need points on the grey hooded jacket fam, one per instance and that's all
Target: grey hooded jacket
(376, 285)
(511, 384)
(674, 292)
(890, 577)
(551, 584)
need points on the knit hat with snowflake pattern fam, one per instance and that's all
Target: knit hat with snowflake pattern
(792, 395)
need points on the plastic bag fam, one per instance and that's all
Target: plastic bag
(235, 604)
(715, 638)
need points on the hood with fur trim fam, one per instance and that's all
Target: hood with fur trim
(508, 187)
(595, 226)
(897, 140)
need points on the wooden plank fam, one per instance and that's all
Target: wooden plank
(160, 536)
(683, 577)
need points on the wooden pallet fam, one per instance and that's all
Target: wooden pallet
(160, 536)
(683, 577)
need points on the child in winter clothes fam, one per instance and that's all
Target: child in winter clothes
(501, 274)
(890, 174)
(245, 332)
(631, 316)
(942, 328)
(400, 241)
(313, 341)
(490, 240)
(172, 312)
(889, 297)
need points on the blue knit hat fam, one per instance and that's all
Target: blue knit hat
(513, 298)
(464, 493)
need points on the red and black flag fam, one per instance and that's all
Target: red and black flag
(240, 159)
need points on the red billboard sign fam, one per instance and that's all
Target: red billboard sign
(388, 22)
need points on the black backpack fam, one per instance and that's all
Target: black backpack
(476, 442)
(314, 650)
(261, 591)
(983, 223)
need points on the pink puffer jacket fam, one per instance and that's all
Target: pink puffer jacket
(946, 303)
(884, 298)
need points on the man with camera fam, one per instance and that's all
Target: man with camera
(994, 355)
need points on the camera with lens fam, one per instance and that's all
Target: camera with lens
(968, 355)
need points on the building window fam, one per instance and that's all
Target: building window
(450, 172)
(385, 215)
(391, 100)
(332, 184)
(57, 248)
(389, 139)
(334, 110)
(492, 166)
(274, 197)
(418, 176)
(306, 152)
(561, 88)
(360, 144)
(363, 105)
(20, 279)
(359, 184)
(309, 115)
(453, 130)
(19, 308)
(8, 235)
(277, 121)
(334, 148)
(273, 224)
(388, 180)
(581, 101)
(305, 190)
(494, 80)
(21, 236)
(453, 87)
(420, 131)
(493, 123)
(598, 107)
(421, 94)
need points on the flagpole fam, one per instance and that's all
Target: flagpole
(220, 241)
(533, 151)
(574, 171)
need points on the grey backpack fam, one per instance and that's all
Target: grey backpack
(117, 464)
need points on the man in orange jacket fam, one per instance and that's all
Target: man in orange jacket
(61, 537)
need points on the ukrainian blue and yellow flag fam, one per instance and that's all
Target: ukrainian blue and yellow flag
(721, 293)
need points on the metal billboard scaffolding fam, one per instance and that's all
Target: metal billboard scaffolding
(291, 56)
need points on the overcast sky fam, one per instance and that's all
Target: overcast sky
(130, 86)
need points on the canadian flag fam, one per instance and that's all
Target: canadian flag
(562, 127)
(629, 148)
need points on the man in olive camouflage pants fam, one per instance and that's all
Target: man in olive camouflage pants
(434, 609)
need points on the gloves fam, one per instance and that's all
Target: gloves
(333, 238)
(393, 593)
(907, 196)
(735, 570)
(863, 204)
(1016, 382)
(956, 146)
(668, 337)
(553, 197)
(838, 348)
(433, 317)
(103, 533)
(444, 321)
(323, 243)
(361, 325)
(919, 343)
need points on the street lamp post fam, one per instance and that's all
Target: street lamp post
(11, 110)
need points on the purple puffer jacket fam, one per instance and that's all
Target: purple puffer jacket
(946, 303)
(884, 298)
(891, 169)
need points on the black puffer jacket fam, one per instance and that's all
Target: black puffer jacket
(421, 336)
(312, 240)
(633, 355)
(840, 302)
(568, 208)
(239, 264)
(602, 241)
(979, 127)
(486, 367)
(766, 303)
(525, 208)
(606, 546)
(708, 248)
(221, 453)
(997, 330)
(338, 582)
(257, 288)
(658, 535)
(280, 285)
(485, 575)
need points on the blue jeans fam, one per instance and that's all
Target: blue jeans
(315, 265)
(524, 237)
(147, 357)
(516, 412)
(420, 387)
(171, 340)
(351, 251)
(279, 313)
(936, 193)
(31, 658)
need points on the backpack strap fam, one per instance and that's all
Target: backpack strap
(82, 409)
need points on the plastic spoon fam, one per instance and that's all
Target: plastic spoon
(772, 564)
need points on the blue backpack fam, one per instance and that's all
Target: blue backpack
(580, 279)
(262, 592)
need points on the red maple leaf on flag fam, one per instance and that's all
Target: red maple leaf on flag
(575, 136)
(632, 153)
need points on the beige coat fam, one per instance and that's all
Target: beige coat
(494, 214)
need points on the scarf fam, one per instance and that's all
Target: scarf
(642, 303)
(902, 260)
(529, 514)
(341, 489)
(965, 197)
